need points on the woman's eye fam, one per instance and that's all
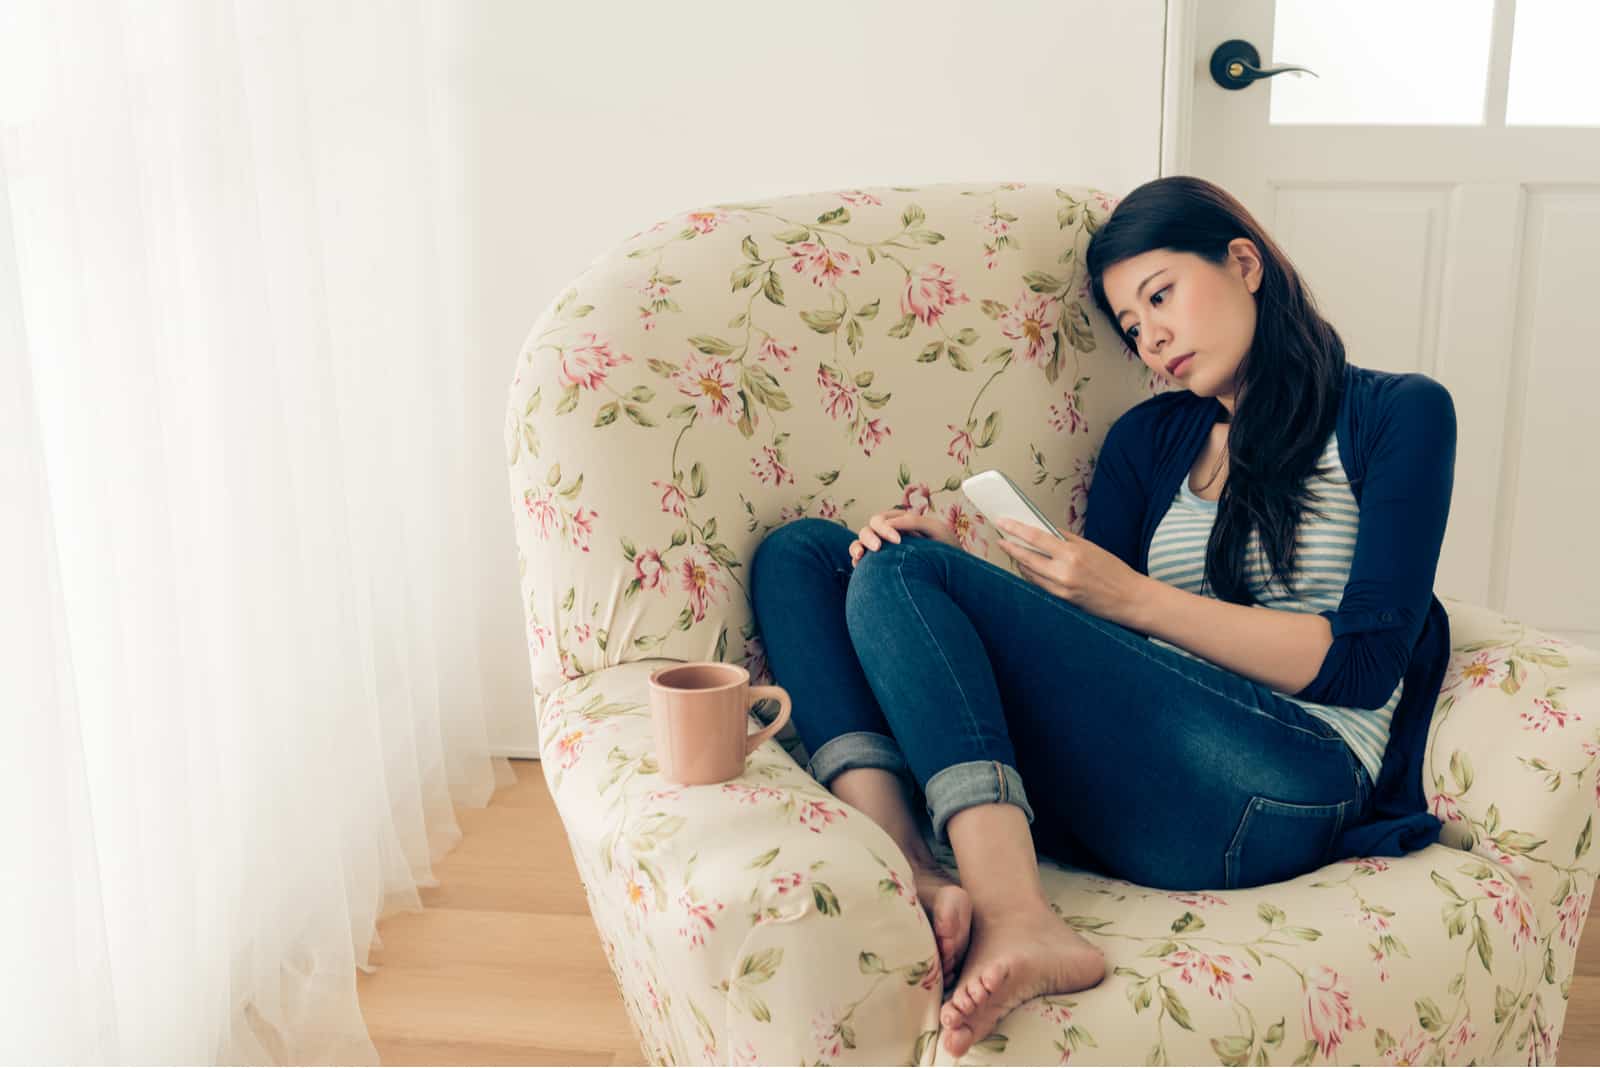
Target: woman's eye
(1133, 332)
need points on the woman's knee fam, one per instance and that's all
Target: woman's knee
(802, 542)
(877, 584)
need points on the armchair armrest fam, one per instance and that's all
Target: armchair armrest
(1512, 757)
(786, 918)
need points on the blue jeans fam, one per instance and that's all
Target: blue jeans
(976, 686)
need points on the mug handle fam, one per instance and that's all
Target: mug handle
(760, 693)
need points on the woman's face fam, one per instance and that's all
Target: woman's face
(1173, 303)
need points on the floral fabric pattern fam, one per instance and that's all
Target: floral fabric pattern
(839, 353)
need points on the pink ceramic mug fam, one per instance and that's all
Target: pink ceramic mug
(701, 715)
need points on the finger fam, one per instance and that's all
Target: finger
(882, 526)
(1019, 530)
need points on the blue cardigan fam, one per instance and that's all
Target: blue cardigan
(1397, 440)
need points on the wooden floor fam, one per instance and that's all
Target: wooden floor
(505, 967)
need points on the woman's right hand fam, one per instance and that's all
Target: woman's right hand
(888, 525)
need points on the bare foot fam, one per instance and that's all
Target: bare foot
(949, 909)
(1015, 958)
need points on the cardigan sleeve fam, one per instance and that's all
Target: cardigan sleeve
(1115, 505)
(1404, 504)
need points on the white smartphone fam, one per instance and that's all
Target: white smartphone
(997, 497)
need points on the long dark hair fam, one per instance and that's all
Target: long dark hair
(1289, 384)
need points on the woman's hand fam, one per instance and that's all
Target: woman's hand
(888, 525)
(1076, 570)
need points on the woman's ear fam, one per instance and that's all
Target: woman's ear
(1247, 260)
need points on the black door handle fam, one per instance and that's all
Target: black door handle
(1235, 64)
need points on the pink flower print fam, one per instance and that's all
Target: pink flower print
(1218, 970)
(1013, 185)
(1511, 910)
(961, 445)
(782, 354)
(838, 394)
(582, 528)
(768, 470)
(1327, 1012)
(1460, 1035)
(744, 1054)
(918, 498)
(1375, 920)
(1574, 907)
(786, 513)
(587, 363)
(828, 508)
(647, 319)
(966, 525)
(541, 506)
(1031, 322)
(785, 883)
(1544, 714)
(819, 264)
(672, 498)
(870, 434)
(991, 257)
(650, 571)
(825, 1033)
(705, 222)
(1066, 416)
(540, 634)
(929, 292)
(1410, 1050)
(654, 288)
(817, 815)
(1380, 958)
(994, 224)
(1482, 670)
(569, 747)
(1372, 865)
(697, 919)
(1052, 1013)
(710, 382)
(856, 196)
(583, 632)
(702, 579)
(1445, 808)
(1196, 898)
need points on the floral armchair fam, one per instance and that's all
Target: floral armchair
(830, 355)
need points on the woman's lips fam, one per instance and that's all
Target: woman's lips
(1183, 361)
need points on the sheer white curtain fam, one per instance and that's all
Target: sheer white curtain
(239, 684)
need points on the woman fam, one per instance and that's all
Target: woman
(1199, 692)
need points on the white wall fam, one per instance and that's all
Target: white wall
(580, 124)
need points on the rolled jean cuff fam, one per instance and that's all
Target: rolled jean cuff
(975, 782)
(858, 749)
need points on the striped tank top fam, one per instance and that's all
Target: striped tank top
(1323, 557)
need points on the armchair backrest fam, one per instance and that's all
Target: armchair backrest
(827, 354)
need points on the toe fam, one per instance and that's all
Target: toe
(992, 977)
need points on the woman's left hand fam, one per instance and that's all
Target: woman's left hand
(1076, 570)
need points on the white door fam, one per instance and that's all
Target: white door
(1437, 182)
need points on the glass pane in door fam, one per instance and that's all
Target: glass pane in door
(1554, 79)
(1381, 62)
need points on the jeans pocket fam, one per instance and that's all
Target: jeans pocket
(1279, 840)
